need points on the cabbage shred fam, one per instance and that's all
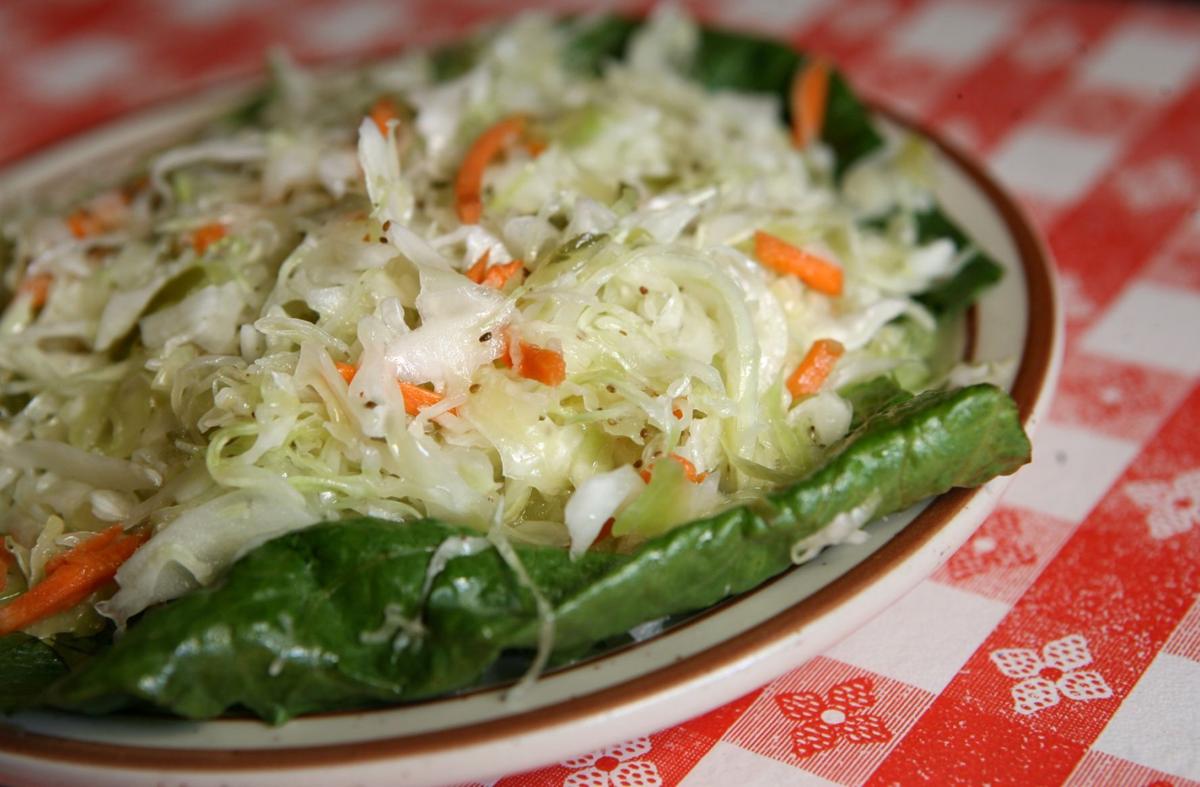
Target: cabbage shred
(192, 389)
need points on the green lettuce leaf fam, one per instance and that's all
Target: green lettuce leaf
(338, 615)
(978, 272)
(28, 666)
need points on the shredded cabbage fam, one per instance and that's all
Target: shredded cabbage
(193, 390)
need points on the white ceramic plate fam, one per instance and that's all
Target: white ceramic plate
(690, 669)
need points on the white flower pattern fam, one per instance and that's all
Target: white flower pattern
(614, 766)
(1057, 670)
(1171, 507)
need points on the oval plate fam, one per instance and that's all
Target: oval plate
(709, 660)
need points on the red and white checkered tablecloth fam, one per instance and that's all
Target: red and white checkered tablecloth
(1062, 643)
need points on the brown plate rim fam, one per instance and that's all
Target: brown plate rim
(1038, 358)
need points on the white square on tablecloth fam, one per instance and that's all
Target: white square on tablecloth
(727, 764)
(779, 17)
(1158, 724)
(1151, 325)
(343, 28)
(79, 67)
(952, 34)
(1072, 469)
(202, 12)
(925, 637)
(1142, 60)
(1052, 164)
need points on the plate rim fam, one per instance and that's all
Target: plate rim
(1031, 389)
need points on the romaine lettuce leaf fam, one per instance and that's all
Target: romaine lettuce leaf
(344, 614)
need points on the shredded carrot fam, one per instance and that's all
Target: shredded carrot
(383, 110)
(38, 289)
(506, 358)
(808, 99)
(498, 275)
(817, 364)
(605, 530)
(105, 211)
(689, 470)
(82, 223)
(93, 544)
(134, 187)
(536, 146)
(80, 572)
(476, 271)
(417, 398)
(205, 236)
(468, 185)
(542, 364)
(494, 276)
(779, 255)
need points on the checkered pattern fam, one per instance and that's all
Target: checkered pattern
(1061, 644)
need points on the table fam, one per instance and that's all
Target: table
(1061, 644)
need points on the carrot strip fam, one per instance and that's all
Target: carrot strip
(808, 98)
(605, 530)
(779, 255)
(383, 110)
(102, 213)
(82, 224)
(93, 544)
(205, 236)
(817, 364)
(80, 573)
(535, 146)
(417, 398)
(38, 289)
(476, 272)
(498, 275)
(689, 470)
(134, 187)
(506, 358)
(541, 364)
(494, 276)
(468, 185)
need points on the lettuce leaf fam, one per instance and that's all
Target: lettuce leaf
(346, 614)
(977, 273)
